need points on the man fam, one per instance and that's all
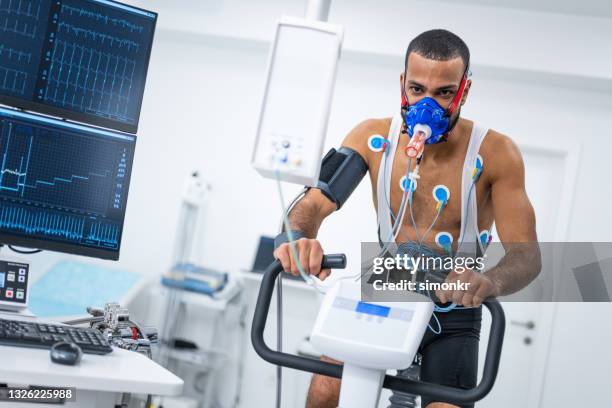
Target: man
(435, 76)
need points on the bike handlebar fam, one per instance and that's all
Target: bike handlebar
(441, 393)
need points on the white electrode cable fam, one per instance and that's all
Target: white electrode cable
(307, 278)
(290, 207)
(396, 227)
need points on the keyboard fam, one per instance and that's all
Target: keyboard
(43, 335)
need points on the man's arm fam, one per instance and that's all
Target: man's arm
(515, 222)
(309, 212)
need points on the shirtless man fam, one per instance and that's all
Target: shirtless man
(437, 63)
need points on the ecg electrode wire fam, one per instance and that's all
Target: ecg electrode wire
(401, 212)
(467, 212)
(438, 322)
(290, 207)
(307, 278)
(387, 199)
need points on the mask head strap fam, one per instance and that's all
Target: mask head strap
(459, 95)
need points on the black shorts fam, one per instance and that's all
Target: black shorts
(451, 357)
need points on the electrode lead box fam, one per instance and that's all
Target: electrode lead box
(14, 283)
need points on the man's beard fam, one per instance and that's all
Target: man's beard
(453, 122)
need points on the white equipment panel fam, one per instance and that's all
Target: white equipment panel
(295, 110)
(378, 335)
(369, 338)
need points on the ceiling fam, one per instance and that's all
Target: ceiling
(594, 8)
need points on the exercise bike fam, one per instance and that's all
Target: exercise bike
(358, 333)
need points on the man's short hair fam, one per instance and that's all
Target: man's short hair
(439, 45)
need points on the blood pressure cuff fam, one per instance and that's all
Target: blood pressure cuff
(341, 171)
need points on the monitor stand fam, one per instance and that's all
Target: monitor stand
(24, 312)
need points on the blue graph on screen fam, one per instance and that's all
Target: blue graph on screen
(70, 228)
(61, 182)
(56, 171)
(86, 57)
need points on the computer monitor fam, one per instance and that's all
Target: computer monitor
(82, 60)
(264, 256)
(63, 186)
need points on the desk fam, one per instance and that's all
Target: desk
(99, 380)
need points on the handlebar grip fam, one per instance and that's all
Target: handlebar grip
(333, 261)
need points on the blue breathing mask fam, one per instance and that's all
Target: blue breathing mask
(427, 112)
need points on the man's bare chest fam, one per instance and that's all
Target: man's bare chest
(425, 204)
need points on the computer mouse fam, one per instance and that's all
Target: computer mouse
(66, 353)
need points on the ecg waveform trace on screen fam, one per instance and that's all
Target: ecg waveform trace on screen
(20, 17)
(21, 30)
(50, 224)
(89, 80)
(117, 22)
(107, 40)
(13, 80)
(93, 67)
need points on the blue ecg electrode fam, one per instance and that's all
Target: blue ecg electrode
(441, 194)
(405, 182)
(377, 143)
(444, 240)
(484, 237)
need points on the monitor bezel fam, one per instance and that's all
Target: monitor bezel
(88, 118)
(72, 249)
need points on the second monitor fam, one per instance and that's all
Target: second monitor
(63, 186)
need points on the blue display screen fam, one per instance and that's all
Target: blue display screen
(63, 186)
(371, 309)
(1, 279)
(85, 60)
